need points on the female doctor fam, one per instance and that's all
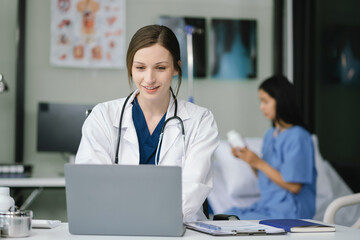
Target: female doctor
(153, 59)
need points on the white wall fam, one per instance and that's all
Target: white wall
(8, 13)
(234, 103)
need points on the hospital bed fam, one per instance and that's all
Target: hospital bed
(235, 184)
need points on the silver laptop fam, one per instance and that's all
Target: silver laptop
(142, 200)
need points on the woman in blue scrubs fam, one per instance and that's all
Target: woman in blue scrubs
(286, 171)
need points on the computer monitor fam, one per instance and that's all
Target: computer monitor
(59, 126)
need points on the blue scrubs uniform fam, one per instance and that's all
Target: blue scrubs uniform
(292, 154)
(147, 143)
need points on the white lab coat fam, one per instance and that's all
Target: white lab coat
(99, 142)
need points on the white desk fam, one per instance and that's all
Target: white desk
(62, 232)
(37, 183)
(32, 182)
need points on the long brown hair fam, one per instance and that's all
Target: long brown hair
(148, 36)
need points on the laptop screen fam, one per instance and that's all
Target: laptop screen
(124, 200)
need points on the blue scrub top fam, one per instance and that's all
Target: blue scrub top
(147, 143)
(292, 154)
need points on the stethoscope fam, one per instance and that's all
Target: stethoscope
(175, 117)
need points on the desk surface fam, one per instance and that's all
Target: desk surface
(32, 182)
(62, 232)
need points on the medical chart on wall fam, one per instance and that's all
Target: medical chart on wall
(88, 33)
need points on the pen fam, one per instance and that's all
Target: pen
(208, 226)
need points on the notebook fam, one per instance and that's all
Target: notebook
(297, 225)
(141, 200)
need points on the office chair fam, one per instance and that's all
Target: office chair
(206, 208)
(87, 113)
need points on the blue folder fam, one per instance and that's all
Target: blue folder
(297, 225)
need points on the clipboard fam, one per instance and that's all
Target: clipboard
(233, 228)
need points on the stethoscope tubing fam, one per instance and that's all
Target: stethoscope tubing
(175, 117)
(119, 132)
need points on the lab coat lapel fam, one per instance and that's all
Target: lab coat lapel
(129, 146)
(172, 131)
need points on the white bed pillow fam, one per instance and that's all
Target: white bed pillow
(239, 178)
(219, 198)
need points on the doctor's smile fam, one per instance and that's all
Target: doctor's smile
(150, 89)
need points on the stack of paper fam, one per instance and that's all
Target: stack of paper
(40, 223)
(233, 228)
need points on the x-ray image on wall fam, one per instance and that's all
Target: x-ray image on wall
(178, 24)
(233, 49)
(341, 58)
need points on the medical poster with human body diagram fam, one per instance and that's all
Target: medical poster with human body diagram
(88, 33)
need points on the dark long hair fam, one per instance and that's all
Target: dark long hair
(287, 109)
(150, 35)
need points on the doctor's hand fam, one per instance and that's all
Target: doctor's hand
(248, 156)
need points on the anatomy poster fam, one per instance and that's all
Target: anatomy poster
(88, 33)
